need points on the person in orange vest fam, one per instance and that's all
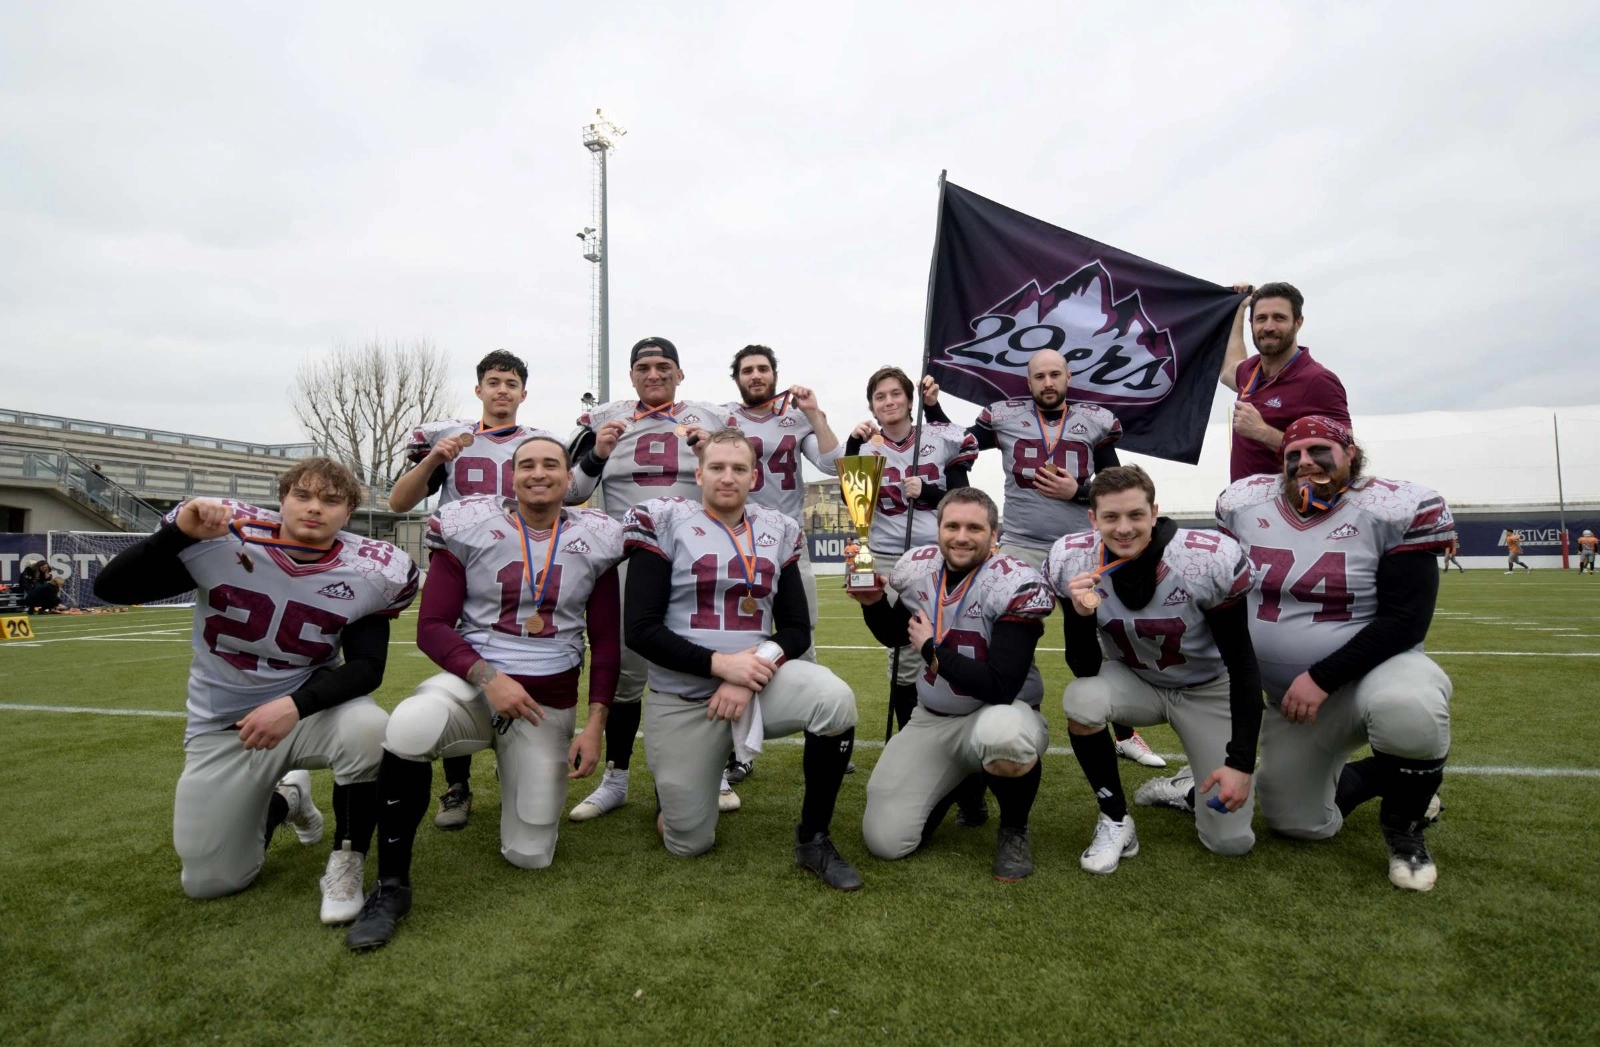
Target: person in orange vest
(1514, 552)
(1587, 544)
(1450, 552)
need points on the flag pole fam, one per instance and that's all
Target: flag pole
(916, 433)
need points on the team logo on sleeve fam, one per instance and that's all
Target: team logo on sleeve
(1263, 523)
(337, 591)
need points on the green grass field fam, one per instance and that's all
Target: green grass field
(620, 942)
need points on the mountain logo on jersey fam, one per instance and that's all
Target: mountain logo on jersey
(337, 591)
(1178, 596)
(766, 541)
(1079, 429)
(787, 422)
(577, 545)
(927, 450)
(1344, 531)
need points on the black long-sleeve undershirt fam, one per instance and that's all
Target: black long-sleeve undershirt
(996, 680)
(645, 616)
(1408, 588)
(152, 570)
(1105, 455)
(955, 476)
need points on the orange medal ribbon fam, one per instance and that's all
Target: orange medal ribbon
(238, 526)
(960, 596)
(777, 411)
(1255, 376)
(537, 583)
(747, 562)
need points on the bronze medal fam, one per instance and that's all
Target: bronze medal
(682, 430)
(1090, 599)
(535, 625)
(466, 439)
(877, 439)
(747, 605)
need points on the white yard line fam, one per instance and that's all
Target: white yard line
(1489, 771)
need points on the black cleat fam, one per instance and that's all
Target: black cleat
(818, 855)
(738, 770)
(454, 808)
(971, 814)
(385, 907)
(1014, 861)
(1411, 867)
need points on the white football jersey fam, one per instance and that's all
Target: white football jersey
(264, 622)
(1031, 518)
(708, 577)
(1167, 641)
(485, 467)
(942, 445)
(482, 535)
(1316, 577)
(1005, 589)
(779, 441)
(651, 460)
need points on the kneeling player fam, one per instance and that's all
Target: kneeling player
(1344, 594)
(280, 596)
(1170, 600)
(973, 617)
(512, 586)
(716, 604)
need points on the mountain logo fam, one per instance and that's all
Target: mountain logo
(337, 591)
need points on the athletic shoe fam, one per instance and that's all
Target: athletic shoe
(385, 907)
(1133, 748)
(1511, 572)
(1168, 792)
(343, 885)
(295, 787)
(738, 770)
(454, 808)
(1013, 859)
(971, 814)
(727, 799)
(1411, 867)
(611, 794)
(1113, 841)
(1435, 808)
(818, 855)
(850, 768)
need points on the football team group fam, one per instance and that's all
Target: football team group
(693, 591)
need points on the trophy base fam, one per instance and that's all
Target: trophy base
(861, 582)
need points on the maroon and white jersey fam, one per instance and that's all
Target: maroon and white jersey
(708, 577)
(1005, 589)
(260, 632)
(779, 441)
(1316, 577)
(485, 467)
(482, 535)
(651, 460)
(1167, 641)
(942, 445)
(1031, 518)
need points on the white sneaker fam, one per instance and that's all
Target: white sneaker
(295, 787)
(1113, 841)
(727, 799)
(1511, 572)
(1168, 792)
(343, 885)
(1411, 867)
(611, 794)
(1133, 748)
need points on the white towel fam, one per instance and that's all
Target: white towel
(747, 732)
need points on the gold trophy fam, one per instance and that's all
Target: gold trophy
(860, 476)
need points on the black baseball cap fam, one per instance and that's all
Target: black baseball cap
(652, 347)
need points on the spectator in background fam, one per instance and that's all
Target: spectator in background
(44, 594)
(1281, 384)
(1450, 557)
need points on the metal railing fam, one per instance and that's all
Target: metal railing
(78, 477)
(59, 424)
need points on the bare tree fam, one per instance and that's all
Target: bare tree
(362, 402)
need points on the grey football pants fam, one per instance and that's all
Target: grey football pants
(219, 816)
(1202, 720)
(687, 751)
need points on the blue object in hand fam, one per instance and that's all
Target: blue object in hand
(1216, 804)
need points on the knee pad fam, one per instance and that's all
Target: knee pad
(1087, 701)
(450, 686)
(1414, 725)
(417, 724)
(529, 846)
(1001, 733)
(1231, 846)
(836, 709)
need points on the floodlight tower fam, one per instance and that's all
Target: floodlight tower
(599, 137)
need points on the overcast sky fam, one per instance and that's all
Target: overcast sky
(196, 196)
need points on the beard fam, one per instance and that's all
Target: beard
(1322, 491)
(1049, 399)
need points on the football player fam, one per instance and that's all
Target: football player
(1450, 552)
(1049, 449)
(1343, 596)
(1514, 552)
(513, 586)
(781, 426)
(291, 634)
(462, 458)
(973, 618)
(716, 605)
(1170, 601)
(1587, 544)
(640, 449)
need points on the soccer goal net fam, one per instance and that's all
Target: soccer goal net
(78, 556)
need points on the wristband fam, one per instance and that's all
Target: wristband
(771, 651)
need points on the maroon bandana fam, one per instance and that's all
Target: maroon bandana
(1315, 427)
